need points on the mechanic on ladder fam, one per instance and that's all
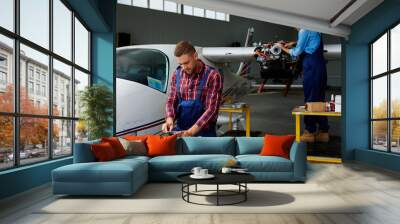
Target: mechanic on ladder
(309, 47)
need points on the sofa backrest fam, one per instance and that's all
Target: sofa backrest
(83, 152)
(249, 145)
(206, 145)
(191, 146)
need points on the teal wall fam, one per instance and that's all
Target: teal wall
(99, 15)
(357, 101)
(24, 178)
(103, 52)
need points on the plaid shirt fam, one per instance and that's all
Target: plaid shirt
(210, 97)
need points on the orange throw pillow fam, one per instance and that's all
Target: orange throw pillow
(277, 145)
(161, 145)
(103, 152)
(116, 145)
(136, 138)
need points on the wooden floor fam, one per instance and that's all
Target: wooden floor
(378, 189)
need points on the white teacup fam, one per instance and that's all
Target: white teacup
(226, 170)
(203, 172)
(196, 171)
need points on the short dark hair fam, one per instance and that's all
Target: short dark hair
(184, 47)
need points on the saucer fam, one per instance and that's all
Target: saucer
(208, 176)
(240, 171)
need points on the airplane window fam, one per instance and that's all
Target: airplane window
(145, 66)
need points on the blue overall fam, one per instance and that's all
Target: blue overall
(314, 85)
(189, 111)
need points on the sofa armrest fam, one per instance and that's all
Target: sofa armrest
(298, 155)
(83, 152)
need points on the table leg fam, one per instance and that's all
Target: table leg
(297, 128)
(188, 190)
(245, 192)
(230, 121)
(217, 194)
(247, 122)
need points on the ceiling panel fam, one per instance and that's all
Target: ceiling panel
(309, 14)
(319, 9)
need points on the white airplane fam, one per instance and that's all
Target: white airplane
(144, 74)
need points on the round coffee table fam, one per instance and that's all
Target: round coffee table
(238, 179)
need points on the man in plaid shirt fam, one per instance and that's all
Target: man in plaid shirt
(195, 95)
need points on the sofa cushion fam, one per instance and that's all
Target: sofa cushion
(249, 145)
(112, 171)
(257, 163)
(116, 145)
(136, 137)
(134, 147)
(185, 163)
(161, 145)
(206, 145)
(103, 152)
(132, 158)
(277, 145)
(83, 152)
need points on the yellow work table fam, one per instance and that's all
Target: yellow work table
(244, 109)
(297, 112)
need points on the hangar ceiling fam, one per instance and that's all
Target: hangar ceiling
(326, 16)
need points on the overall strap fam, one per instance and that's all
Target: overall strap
(320, 48)
(207, 71)
(178, 75)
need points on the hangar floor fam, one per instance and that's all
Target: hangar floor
(271, 112)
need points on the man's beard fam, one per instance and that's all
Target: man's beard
(189, 71)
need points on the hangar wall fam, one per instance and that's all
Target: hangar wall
(148, 26)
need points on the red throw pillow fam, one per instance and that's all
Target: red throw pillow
(161, 145)
(275, 145)
(103, 152)
(116, 145)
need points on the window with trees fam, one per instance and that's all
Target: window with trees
(385, 93)
(35, 53)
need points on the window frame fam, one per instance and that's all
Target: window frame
(3, 71)
(388, 74)
(16, 62)
(3, 77)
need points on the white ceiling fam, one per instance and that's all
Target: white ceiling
(320, 9)
(318, 15)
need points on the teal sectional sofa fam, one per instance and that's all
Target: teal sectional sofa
(125, 176)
